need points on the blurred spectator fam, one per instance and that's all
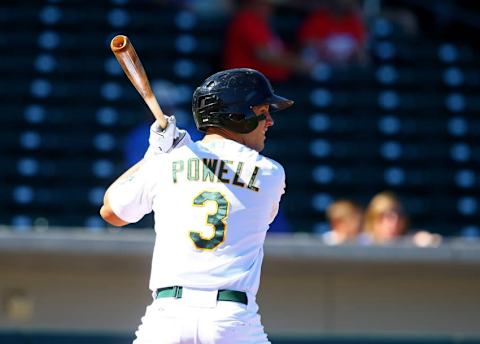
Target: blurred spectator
(251, 42)
(280, 224)
(425, 239)
(385, 218)
(136, 141)
(345, 218)
(403, 19)
(334, 33)
(211, 8)
(386, 221)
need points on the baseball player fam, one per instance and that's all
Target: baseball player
(213, 201)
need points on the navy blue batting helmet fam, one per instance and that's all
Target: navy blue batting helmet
(225, 100)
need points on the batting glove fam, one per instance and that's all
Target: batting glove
(165, 140)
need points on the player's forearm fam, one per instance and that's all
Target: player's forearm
(107, 213)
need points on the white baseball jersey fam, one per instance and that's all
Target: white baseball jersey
(213, 203)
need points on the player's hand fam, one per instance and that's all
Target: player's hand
(165, 140)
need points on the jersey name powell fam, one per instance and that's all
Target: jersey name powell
(214, 170)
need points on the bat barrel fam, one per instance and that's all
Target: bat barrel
(118, 43)
(133, 68)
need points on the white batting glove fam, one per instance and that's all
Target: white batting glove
(165, 140)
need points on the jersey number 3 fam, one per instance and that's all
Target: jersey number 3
(215, 220)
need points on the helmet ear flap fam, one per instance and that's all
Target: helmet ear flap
(208, 102)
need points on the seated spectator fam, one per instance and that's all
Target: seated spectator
(136, 140)
(385, 218)
(423, 238)
(404, 19)
(386, 222)
(210, 9)
(334, 33)
(251, 42)
(345, 218)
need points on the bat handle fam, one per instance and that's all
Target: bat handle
(153, 105)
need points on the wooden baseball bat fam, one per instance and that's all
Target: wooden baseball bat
(126, 55)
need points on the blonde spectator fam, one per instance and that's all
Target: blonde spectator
(385, 218)
(345, 218)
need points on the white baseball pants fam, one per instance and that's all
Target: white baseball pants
(198, 318)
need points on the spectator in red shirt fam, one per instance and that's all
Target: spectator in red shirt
(251, 42)
(335, 33)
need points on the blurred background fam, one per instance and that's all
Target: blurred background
(377, 239)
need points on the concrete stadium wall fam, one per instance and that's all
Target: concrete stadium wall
(81, 281)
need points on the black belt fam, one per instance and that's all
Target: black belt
(223, 295)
